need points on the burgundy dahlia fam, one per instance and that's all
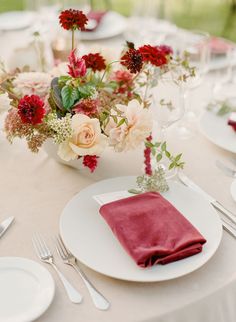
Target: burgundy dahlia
(90, 161)
(133, 60)
(153, 55)
(31, 109)
(73, 19)
(95, 61)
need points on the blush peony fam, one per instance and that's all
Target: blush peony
(129, 136)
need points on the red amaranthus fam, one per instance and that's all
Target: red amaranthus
(90, 161)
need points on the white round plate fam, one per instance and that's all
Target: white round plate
(216, 129)
(90, 239)
(233, 190)
(14, 20)
(26, 289)
(112, 24)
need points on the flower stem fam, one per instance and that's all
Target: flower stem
(107, 68)
(73, 39)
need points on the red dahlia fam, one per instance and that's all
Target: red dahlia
(133, 60)
(31, 109)
(90, 161)
(153, 55)
(94, 61)
(73, 19)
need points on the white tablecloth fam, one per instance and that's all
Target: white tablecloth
(35, 189)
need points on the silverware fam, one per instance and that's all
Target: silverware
(46, 256)
(5, 225)
(217, 205)
(227, 170)
(99, 300)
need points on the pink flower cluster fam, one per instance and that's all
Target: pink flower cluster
(90, 161)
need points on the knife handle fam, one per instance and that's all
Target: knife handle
(224, 211)
(229, 228)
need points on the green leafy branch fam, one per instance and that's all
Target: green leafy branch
(159, 150)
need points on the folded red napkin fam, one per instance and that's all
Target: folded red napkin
(97, 16)
(151, 229)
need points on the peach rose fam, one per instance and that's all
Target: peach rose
(86, 139)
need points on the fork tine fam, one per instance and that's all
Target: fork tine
(44, 245)
(63, 246)
(59, 250)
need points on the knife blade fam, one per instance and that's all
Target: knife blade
(216, 204)
(5, 225)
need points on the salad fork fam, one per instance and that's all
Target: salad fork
(98, 299)
(46, 256)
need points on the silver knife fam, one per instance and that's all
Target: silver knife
(216, 204)
(5, 225)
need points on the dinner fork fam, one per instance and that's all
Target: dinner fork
(98, 299)
(46, 256)
(227, 170)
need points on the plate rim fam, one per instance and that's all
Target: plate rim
(204, 133)
(135, 279)
(83, 34)
(24, 262)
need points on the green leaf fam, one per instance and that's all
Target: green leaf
(134, 191)
(157, 144)
(148, 144)
(168, 155)
(178, 157)
(63, 79)
(153, 151)
(122, 121)
(171, 166)
(86, 91)
(159, 157)
(69, 95)
(163, 146)
(114, 118)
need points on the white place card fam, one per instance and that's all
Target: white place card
(111, 196)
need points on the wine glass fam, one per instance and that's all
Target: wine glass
(194, 44)
(167, 108)
(224, 83)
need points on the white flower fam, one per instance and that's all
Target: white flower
(59, 70)
(86, 139)
(5, 102)
(32, 83)
(129, 136)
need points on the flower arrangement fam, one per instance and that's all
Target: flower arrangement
(91, 106)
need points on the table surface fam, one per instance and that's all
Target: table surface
(35, 188)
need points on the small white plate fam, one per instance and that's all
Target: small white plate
(26, 289)
(112, 24)
(233, 190)
(90, 239)
(14, 20)
(216, 129)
